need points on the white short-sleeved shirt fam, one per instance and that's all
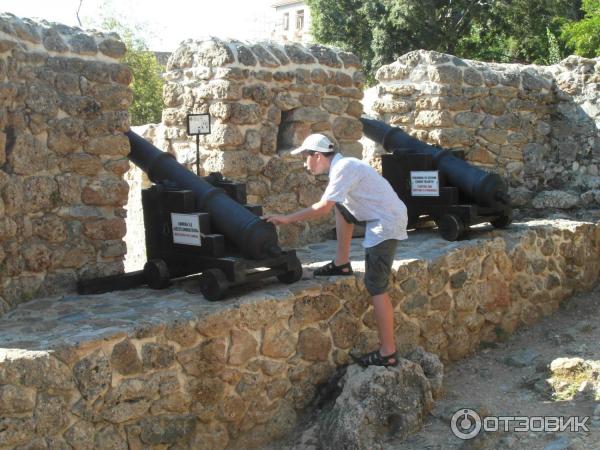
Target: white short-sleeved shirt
(369, 197)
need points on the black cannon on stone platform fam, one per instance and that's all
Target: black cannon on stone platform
(436, 184)
(199, 225)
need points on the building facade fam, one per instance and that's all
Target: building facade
(292, 21)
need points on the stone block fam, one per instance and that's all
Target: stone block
(493, 105)
(245, 114)
(445, 74)
(114, 145)
(555, 199)
(469, 119)
(325, 55)
(286, 101)
(449, 137)
(92, 375)
(493, 135)
(124, 358)
(268, 136)
(313, 309)
(167, 429)
(78, 435)
(16, 400)
(428, 119)
(388, 105)
(40, 193)
(314, 345)
(108, 229)
(297, 54)
(344, 92)
(335, 105)
(347, 128)
(224, 135)
(243, 347)
(278, 342)
(355, 109)
(27, 155)
(105, 191)
(473, 77)
(16, 431)
(307, 114)
(344, 329)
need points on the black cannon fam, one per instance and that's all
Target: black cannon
(199, 225)
(436, 184)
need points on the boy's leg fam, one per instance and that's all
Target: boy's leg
(384, 316)
(378, 264)
(343, 231)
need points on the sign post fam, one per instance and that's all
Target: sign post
(198, 124)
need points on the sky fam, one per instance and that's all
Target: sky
(166, 22)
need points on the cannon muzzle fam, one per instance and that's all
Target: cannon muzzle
(255, 238)
(486, 189)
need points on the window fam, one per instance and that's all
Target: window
(300, 19)
(286, 21)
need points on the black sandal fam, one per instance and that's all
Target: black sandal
(330, 269)
(376, 359)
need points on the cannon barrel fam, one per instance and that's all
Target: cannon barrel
(255, 238)
(486, 189)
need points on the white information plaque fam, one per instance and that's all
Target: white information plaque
(198, 124)
(424, 183)
(186, 229)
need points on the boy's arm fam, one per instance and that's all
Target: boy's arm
(319, 209)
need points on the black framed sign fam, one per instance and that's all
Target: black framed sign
(198, 124)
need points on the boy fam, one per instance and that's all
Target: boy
(358, 193)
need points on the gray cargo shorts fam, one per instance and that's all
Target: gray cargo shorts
(378, 265)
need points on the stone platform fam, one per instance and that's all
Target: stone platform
(167, 368)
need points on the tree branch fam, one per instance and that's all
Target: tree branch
(77, 13)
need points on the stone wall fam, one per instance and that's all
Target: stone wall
(538, 126)
(64, 101)
(235, 374)
(264, 99)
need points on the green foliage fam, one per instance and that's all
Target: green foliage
(379, 31)
(147, 85)
(518, 31)
(554, 53)
(583, 36)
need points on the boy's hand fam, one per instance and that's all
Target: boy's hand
(277, 220)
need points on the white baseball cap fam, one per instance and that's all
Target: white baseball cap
(315, 143)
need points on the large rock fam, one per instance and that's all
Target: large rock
(432, 368)
(376, 402)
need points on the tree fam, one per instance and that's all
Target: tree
(522, 31)
(583, 36)
(147, 86)
(379, 31)
(147, 82)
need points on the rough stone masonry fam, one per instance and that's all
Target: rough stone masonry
(264, 99)
(536, 125)
(63, 107)
(146, 369)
